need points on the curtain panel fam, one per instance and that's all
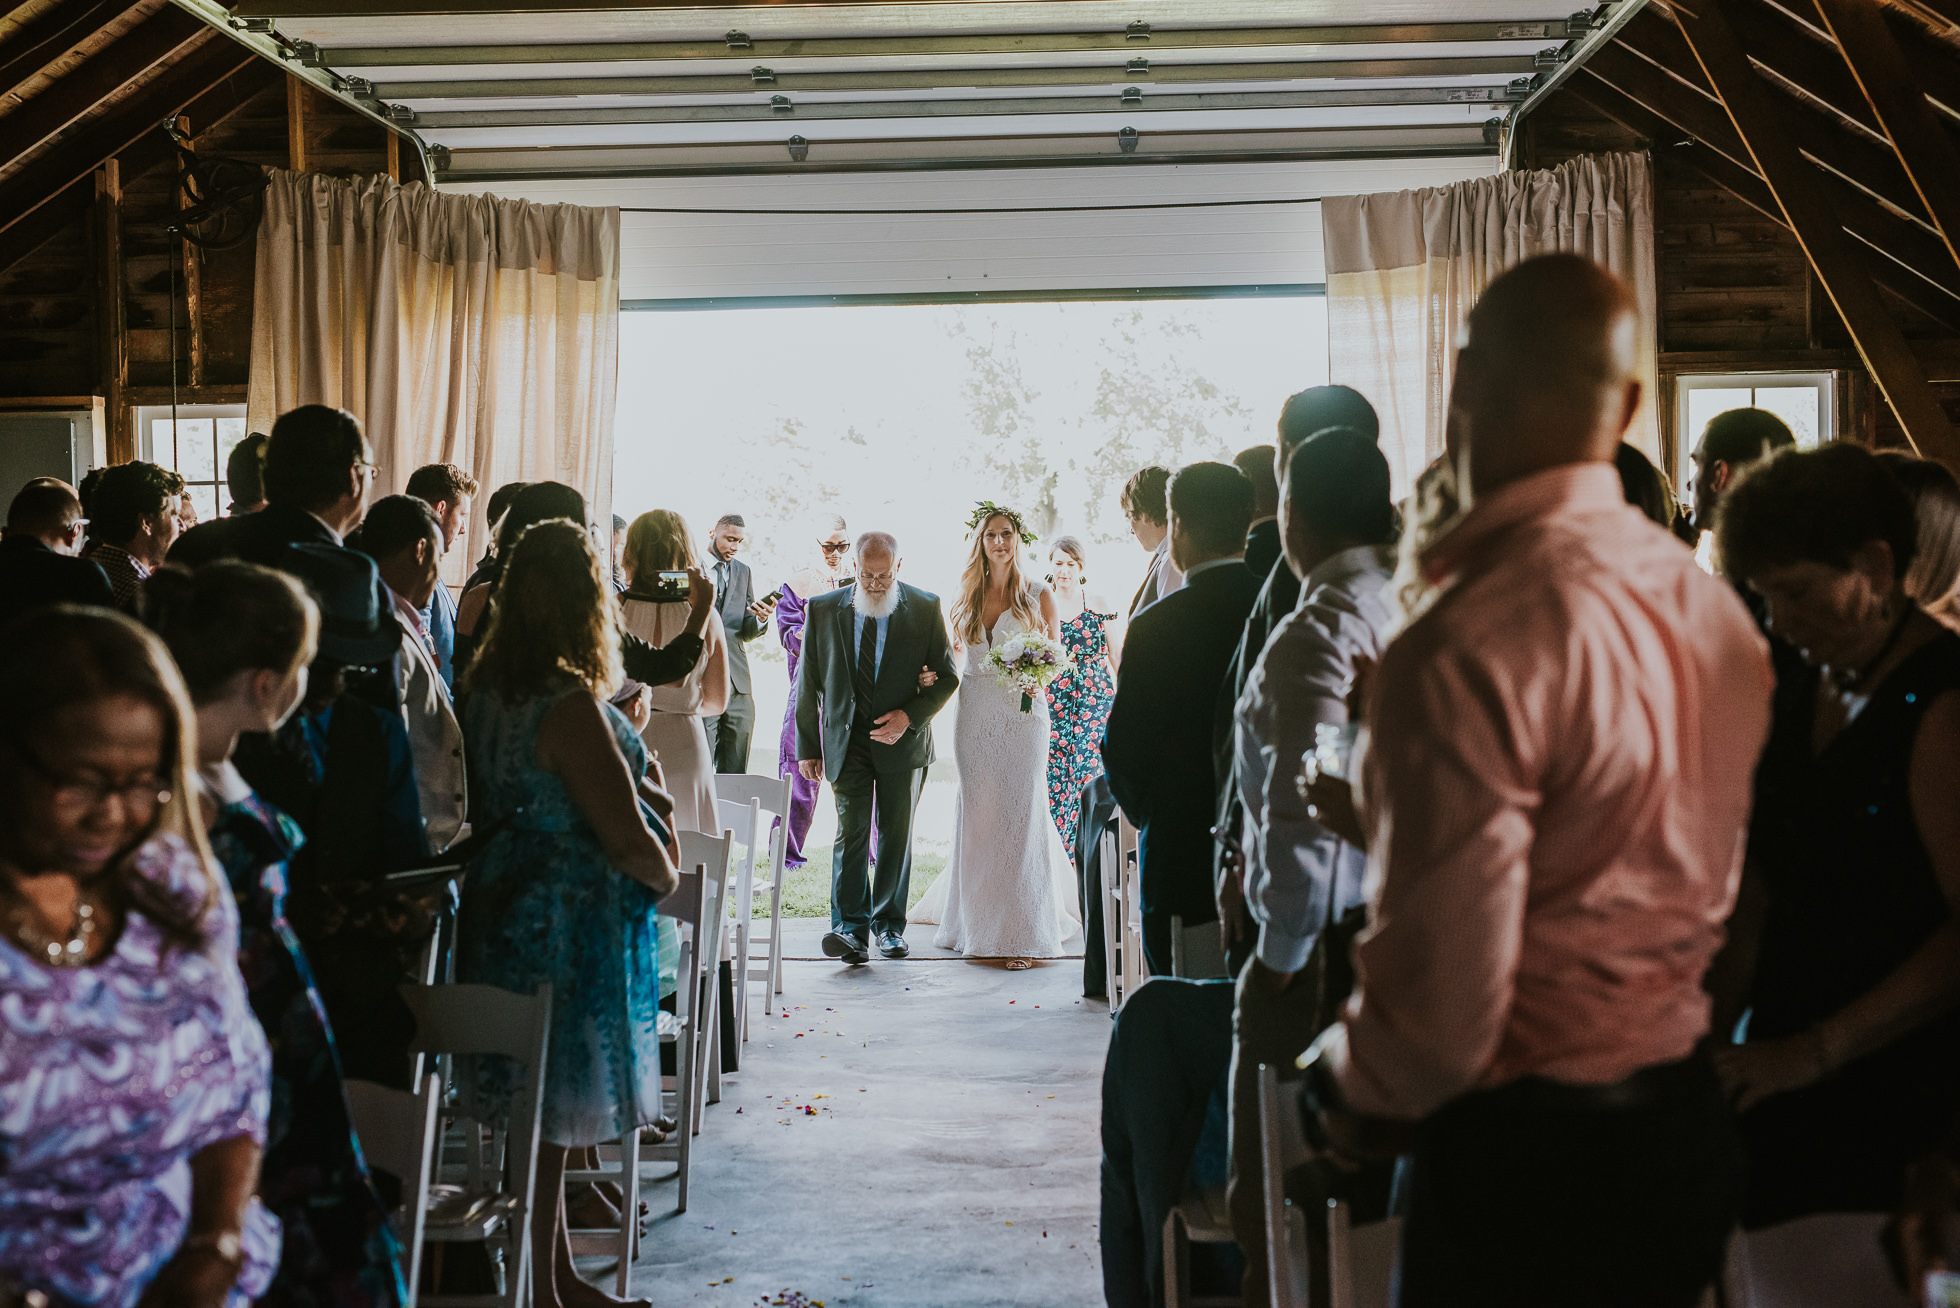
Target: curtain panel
(1404, 268)
(465, 329)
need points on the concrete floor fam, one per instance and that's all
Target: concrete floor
(950, 1162)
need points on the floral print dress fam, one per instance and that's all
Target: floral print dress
(1078, 708)
(339, 1249)
(543, 904)
(113, 1075)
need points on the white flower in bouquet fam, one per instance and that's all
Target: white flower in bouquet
(1028, 662)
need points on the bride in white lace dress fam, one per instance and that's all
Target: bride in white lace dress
(1009, 889)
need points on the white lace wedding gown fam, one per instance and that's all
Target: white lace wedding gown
(1009, 889)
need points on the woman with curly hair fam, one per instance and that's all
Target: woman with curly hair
(1009, 889)
(566, 894)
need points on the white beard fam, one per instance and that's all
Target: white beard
(874, 606)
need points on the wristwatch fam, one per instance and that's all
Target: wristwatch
(227, 1246)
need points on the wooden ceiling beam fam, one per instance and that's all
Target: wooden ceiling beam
(147, 151)
(79, 154)
(1870, 224)
(41, 40)
(1844, 274)
(1925, 149)
(162, 36)
(1689, 110)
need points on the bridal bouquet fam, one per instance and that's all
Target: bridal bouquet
(1029, 661)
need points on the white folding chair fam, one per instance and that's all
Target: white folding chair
(1110, 867)
(1280, 1149)
(1130, 906)
(1201, 1217)
(716, 853)
(1360, 1259)
(397, 1131)
(742, 798)
(685, 906)
(497, 1202)
(1826, 1260)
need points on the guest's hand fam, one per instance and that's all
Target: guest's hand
(761, 610)
(810, 769)
(655, 773)
(890, 726)
(1918, 1235)
(1330, 802)
(927, 678)
(1753, 1072)
(639, 709)
(659, 799)
(700, 591)
(195, 1278)
(1230, 891)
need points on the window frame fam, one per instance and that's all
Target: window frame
(1824, 380)
(148, 415)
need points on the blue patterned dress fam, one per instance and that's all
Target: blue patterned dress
(1078, 708)
(543, 904)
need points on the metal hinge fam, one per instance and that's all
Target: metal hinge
(1585, 21)
(1550, 57)
(781, 104)
(358, 87)
(1132, 95)
(1138, 31)
(1126, 140)
(738, 41)
(762, 76)
(304, 53)
(1518, 87)
(400, 113)
(259, 26)
(799, 149)
(1138, 67)
(1493, 130)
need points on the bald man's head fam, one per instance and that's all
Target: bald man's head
(48, 510)
(1548, 370)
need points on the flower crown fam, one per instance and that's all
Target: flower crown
(986, 509)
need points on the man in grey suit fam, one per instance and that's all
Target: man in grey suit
(745, 618)
(864, 720)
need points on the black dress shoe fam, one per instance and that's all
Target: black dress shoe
(844, 945)
(892, 944)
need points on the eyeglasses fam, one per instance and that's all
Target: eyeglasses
(373, 469)
(140, 797)
(834, 547)
(879, 578)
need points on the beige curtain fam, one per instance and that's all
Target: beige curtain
(465, 329)
(1404, 267)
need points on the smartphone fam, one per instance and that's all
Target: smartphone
(772, 599)
(666, 588)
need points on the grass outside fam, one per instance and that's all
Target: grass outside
(806, 891)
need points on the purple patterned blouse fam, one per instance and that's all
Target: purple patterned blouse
(111, 1077)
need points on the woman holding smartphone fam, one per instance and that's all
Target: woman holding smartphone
(659, 542)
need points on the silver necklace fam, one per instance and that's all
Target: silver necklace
(71, 952)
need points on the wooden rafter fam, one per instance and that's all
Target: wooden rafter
(1844, 274)
(164, 35)
(1925, 148)
(79, 154)
(39, 42)
(1867, 222)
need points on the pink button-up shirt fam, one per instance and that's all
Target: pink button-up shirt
(1557, 782)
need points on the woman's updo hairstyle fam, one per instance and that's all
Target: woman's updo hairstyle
(228, 617)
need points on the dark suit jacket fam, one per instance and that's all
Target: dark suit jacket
(1157, 747)
(743, 626)
(32, 575)
(1262, 547)
(256, 537)
(826, 701)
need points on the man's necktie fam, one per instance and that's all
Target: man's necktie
(721, 582)
(865, 676)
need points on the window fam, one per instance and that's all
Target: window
(196, 450)
(1802, 399)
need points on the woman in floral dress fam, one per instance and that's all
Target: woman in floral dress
(1078, 704)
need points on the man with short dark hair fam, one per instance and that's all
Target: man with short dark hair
(1555, 793)
(449, 492)
(1157, 745)
(1730, 442)
(318, 474)
(134, 525)
(1144, 505)
(1262, 543)
(404, 537)
(1299, 878)
(40, 559)
(245, 476)
(746, 618)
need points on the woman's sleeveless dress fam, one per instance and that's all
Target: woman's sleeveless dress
(1078, 710)
(543, 904)
(674, 733)
(1009, 889)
